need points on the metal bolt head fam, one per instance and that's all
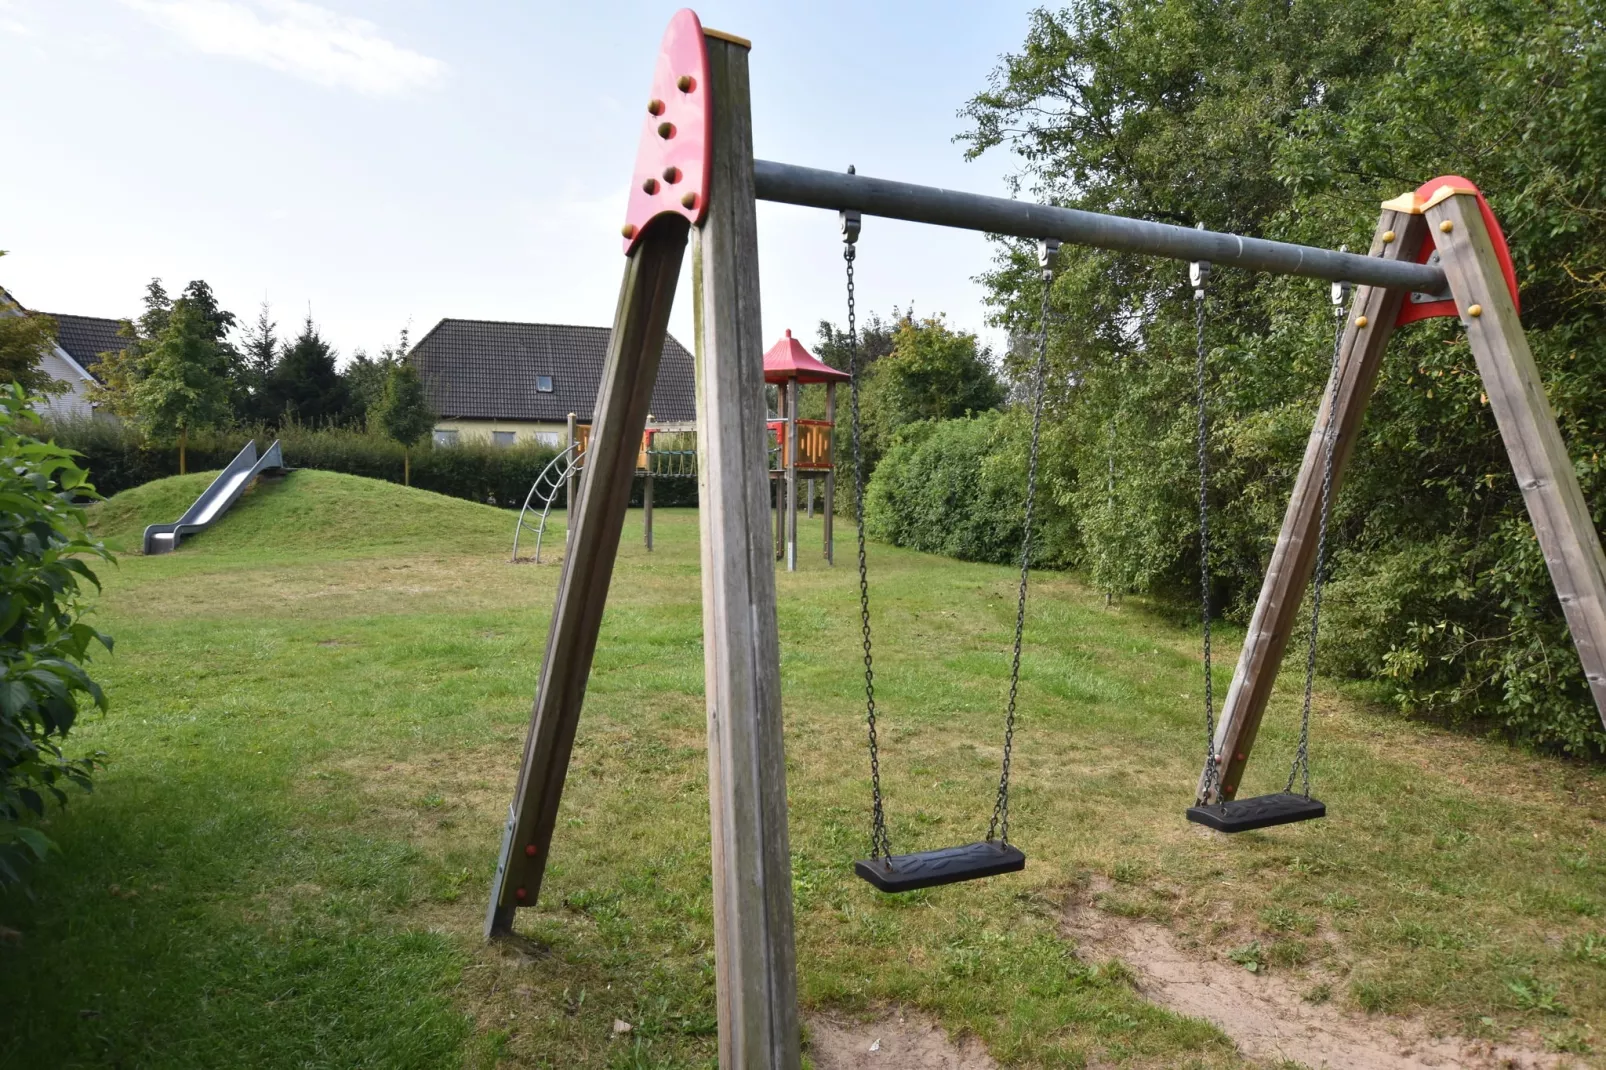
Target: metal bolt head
(1474, 311)
(521, 895)
(1360, 321)
(689, 201)
(686, 83)
(529, 850)
(1388, 236)
(655, 106)
(666, 130)
(671, 175)
(650, 186)
(628, 230)
(1447, 226)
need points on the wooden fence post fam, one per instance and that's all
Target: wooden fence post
(1545, 473)
(1399, 236)
(756, 973)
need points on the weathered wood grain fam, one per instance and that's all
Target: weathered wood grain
(756, 973)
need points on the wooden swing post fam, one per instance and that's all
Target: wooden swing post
(1371, 323)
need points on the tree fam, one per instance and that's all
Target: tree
(366, 377)
(404, 412)
(44, 640)
(185, 384)
(306, 385)
(121, 373)
(24, 341)
(931, 373)
(259, 355)
(1159, 111)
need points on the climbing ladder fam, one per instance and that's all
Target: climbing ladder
(543, 492)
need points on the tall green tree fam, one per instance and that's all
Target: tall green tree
(404, 413)
(306, 385)
(258, 356)
(24, 342)
(932, 372)
(1292, 120)
(367, 377)
(185, 385)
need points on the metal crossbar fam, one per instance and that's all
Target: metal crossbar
(813, 188)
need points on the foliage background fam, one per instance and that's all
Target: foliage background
(1290, 120)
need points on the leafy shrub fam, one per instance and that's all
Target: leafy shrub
(118, 459)
(957, 487)
(44, 640)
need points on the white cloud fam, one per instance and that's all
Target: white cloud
(297, 38)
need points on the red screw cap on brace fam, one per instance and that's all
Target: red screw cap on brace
(674, 133)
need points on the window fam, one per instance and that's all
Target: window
(549, 439)
(543, 384)
(445, 437)
(504, 438)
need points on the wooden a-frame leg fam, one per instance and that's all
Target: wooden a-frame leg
(596, 520)
(1399, 236)
(1544, 471)
(754, 957)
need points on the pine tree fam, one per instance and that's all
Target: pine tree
(259, 356)
(404, 412)
(306, 385)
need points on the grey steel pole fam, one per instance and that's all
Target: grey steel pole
(834, 190)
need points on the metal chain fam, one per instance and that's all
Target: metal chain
(1210, 788)
(880, 846)
(1301, 766)
(999, 825)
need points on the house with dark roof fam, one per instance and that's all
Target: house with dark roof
(518, 382)
(80, 341)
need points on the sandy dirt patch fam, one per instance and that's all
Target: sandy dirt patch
(896, 1041)
(1265, 1015)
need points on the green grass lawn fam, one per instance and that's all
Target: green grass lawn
(317, 715)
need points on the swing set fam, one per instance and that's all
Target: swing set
(1438, 251)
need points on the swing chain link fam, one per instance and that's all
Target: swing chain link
(1301, 766)
(1210, 783)
(880, 845)
(1048, 251)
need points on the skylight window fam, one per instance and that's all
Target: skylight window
(543, 384)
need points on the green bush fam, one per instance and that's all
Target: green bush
(118, 459)
(44, 641)
(957, 487)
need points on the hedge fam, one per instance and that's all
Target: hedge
(496, 475)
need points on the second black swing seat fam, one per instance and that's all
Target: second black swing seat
(946, 865)
(1261, 811)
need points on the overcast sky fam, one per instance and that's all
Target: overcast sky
(391, 162)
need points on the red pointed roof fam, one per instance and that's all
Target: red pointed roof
(787, 359)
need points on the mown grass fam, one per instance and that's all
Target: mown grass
(318, 710)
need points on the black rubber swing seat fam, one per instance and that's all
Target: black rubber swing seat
(1262, 811)
(947, 865)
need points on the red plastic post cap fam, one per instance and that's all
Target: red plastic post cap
(1412, 311)
(671, 174)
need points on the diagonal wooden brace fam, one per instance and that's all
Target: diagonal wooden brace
(1372, 316)
(628, 376)
(1550, 488)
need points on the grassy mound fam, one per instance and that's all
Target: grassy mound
(306, 511)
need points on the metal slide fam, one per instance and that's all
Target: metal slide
(216, 499)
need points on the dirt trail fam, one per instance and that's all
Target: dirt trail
(1266, 1017)
(898, 1041)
